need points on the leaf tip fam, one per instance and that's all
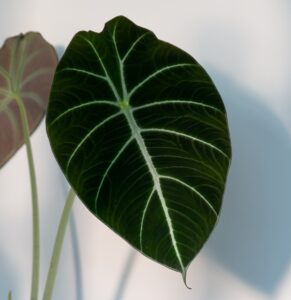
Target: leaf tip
(184, 275)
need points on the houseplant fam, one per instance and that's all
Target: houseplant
(152, 163)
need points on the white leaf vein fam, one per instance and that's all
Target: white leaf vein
(143, 217)
(154, 74)
(176, 101)
(109, 168)
(192, 189)
(163, 130)
(86, 104)
(133, 46)
(83, 72)
(88, 136)
(110, 82)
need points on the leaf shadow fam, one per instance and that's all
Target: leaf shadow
(9, 279)
(251, 238)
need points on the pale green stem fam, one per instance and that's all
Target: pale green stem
(49, 286)
(35, 209)
(10, 296)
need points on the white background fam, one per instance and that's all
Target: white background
(245, 46)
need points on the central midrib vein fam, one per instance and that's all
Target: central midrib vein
(136, 133)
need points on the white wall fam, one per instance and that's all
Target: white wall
(245, 46)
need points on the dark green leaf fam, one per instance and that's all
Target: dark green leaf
(140, 132)
(27, 65)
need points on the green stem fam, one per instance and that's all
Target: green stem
(35, 209)
(10, 296)
(48, 291)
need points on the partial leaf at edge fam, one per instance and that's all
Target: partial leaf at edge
(27, 66)
(141, 133)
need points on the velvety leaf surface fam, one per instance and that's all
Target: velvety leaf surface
(140, 132)
(27, 66)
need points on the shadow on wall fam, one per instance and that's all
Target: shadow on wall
(8, 278)
(252, 236)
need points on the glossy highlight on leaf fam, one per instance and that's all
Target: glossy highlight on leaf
(141, 134)
(27, 66)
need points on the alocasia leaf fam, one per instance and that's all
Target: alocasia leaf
(141, 134)
(27, 66)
